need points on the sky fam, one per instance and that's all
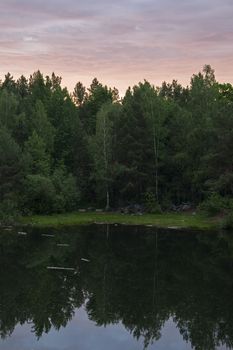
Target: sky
(121, 42)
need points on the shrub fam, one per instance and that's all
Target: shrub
(166, 204)
(39, 194)
(48, 194)
(59, 203)
(9, 212)
(214, 205)
(151, 205)
(66, 190)
(230, 204)
(227, 223)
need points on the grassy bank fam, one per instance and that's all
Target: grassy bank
(160, 220)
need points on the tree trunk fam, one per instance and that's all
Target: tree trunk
(107, 200)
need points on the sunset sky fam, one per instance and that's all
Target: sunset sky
(120, 42)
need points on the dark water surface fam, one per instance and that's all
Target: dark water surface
(128, 288)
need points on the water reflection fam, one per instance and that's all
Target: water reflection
(134, 278)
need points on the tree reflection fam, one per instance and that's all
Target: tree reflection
(135, 276)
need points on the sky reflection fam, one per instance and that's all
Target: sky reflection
(81, 333)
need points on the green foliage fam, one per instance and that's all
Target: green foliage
(44, 194)
(42, 126)
(9, 212)
(151, 204)
(37, 161)
(135, 147)
(10, 164)
(8, 107)
(79, 94)
(97, 96)
(39, 193)
(89, 148)
(102, 151)
(67, 193)
(213, 205)
(227, 222)
(166, 203)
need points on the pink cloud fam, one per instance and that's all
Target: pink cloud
(120, 42)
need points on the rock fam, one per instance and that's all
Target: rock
(186, 207)
(82, 210)
(181, 207)
(132, 209)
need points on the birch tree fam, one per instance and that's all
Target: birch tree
(102, 151)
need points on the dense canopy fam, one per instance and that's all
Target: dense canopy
(159, 146)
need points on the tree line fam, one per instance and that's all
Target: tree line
(156, 146)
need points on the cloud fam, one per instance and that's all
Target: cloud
(120, 41)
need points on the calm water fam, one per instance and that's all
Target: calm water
(129, 288)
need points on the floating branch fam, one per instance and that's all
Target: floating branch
(60, 268)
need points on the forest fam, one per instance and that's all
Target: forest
(156, 147)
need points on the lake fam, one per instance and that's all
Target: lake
(115, 287)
